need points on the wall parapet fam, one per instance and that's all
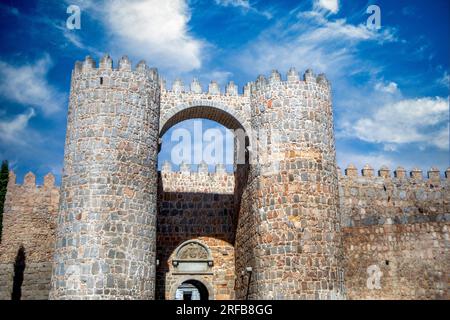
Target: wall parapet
(351, 172)
(106, 64)
(398, 199)
(200, 181)
(29, 180)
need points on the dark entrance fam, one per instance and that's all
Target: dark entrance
(192, 290)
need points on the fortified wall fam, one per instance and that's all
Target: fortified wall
(395, 228)
(285, 225)
(395, 225)
(28, 238)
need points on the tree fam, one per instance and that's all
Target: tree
(4, 175)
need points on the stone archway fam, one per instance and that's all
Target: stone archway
(205, 290)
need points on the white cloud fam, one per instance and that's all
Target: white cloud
(390, 87)
(245, 5)
(422, 120)
(330, 5)
(155, 30)
(234, 3)
(13, 130)
(313, 42)
(444, 80)
(27, 84)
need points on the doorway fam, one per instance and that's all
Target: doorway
(192, 290)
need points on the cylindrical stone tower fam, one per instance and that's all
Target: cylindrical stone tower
(105, 247)
(293, 187)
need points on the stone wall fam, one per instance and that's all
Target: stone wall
(196, 206)
(106, 233)
(29, 222)
(398, 227)
(288, 228)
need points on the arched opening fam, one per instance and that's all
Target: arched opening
(198, 202)
(19, 269)
(192, 290)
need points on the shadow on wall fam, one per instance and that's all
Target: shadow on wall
(19, 268)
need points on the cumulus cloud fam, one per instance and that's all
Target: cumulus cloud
(422, 120)
(155, 30)
(27, 84)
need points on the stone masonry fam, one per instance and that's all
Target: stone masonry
(285, 225)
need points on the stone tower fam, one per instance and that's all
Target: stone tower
(292, 194)
(105, 247)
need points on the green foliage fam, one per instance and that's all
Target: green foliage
(4, 175)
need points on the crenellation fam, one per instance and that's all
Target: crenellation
(124, 64)
(196, 87)
(247, 89)
(202, 168)
(29, 180)
(49, 180)
(106, 63)
(213, 88)
(351, 171)
(231, 89)
(200, 181)
(178, 86)
(367, 171)
(166, 167)
(292, 75)
(275, 77)
(78, 68)
(185, 167)
(434, 174)
(11, 179)
(400, 173)
(309, 76)
(384, 172)
(416, 174)
(88, 64)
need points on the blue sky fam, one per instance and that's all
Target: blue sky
(390, 86)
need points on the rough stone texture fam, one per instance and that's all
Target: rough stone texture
(196, 206)
(400, 225)
(292, 194)
(29, 220)
(106, 237)
(230, 110)
(280, 214)
(197, 182)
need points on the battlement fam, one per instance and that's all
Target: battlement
(416, 174)
(29, 181)
(231, 89)
(292, 76)
(106, 65)
(200, 181)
